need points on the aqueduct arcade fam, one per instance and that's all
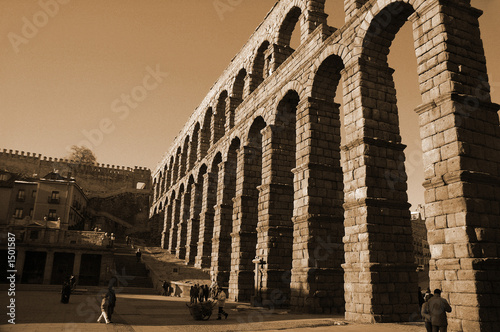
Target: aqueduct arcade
(259, 170)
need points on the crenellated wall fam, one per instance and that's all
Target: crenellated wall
(97, 180)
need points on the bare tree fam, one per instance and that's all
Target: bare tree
(82, 155)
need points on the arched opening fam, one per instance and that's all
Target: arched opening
(176, 218)
(261, 66)
(169, 215)
(402, 59)
(246, 215)
(193, 148)
(203, 258)
(184, 158)
(170, 173)
(289, 33)
(194, 224)
(177, 162)
(220, 117)
(205, 136)
(275, 221)
(239, 86)
(221, 242)
(377, 178)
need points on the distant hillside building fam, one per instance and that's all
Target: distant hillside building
(420, 244)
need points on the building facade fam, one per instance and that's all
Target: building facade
(50, 223)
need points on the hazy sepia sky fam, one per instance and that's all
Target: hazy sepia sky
(68, 77)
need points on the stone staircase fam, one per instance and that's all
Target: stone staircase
(131, 273)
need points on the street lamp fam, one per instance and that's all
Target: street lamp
(257, 296)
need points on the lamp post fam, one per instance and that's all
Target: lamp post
(256, 299)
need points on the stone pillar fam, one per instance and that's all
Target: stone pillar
(202, 259)
(380, 277)
(182, 225)
(351, 8)
(252, 81)
(275, 228)
(245, 217)
(231, 104)
(317, 284)
(312, 19)
(221, 241)
(193, 229)
(460, 133)
(49, 262)
(277, 54)
(76, 264)
(176, 210)
(167, 222)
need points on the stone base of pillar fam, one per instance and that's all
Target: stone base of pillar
(275, 288)
(164, 240)
(180, 252)
(241, 285)
(202, 262)
(317, 291)
(190, 254)
(380, 293)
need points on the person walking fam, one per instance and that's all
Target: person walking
(425, 312)
(438, 307)
(221, 301)
(104, 309)
(200, 293)
(164, 285)
(65, 292)
(112, 301)
(138, 254)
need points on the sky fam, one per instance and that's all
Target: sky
(66, 80)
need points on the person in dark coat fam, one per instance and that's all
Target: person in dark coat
(206, 292)
(438, 307)
(111, 301)
(200, 293)
(191, 294)
(65, 292)
(138, 255)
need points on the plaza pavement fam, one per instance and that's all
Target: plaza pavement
(41, 310)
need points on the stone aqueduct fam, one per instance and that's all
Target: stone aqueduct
(258, 170)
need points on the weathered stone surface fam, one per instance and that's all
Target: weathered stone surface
(330, 224)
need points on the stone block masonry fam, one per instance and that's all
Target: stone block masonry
(260, 168)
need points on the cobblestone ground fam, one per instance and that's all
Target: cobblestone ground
(42, 311)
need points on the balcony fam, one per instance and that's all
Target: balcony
(53, 200)
(20, 198)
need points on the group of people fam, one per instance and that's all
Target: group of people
(199, 293)
(433, 310)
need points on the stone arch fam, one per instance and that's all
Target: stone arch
(260, 66)
(169, 173)
(219, 118)
(246, 209)
(184, 158)
(175, 174)
(239, 86)
(206, 133)
(193, 147)
(288, 26)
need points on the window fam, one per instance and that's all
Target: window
(33, 235)
(21, 196)
(18, 213)
(33, 194)
(52, 215)
(4, 177)
(54, 198)
(31, 212)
